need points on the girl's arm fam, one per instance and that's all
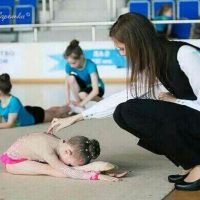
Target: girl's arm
(95, 89)
(11, 121)
(67, 90)
(55, 163)
(97, 166)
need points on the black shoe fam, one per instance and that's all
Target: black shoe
(193, 186)
(176, 178)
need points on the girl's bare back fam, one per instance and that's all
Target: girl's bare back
(33, 146)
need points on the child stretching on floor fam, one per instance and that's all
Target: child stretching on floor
(45, 154)
(15, 114)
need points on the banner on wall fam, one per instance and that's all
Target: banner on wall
(45, 60)
(10, 59)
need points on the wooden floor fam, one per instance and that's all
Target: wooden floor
(180, 195)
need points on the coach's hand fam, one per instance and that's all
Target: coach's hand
(57, 123)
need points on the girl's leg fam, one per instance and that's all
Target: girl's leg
(32, 168)
(56, 112)
(75, 87)
(164, 128)
(97, 98)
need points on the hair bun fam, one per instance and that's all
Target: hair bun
(4, 77)
(74, 43)
(94, 149)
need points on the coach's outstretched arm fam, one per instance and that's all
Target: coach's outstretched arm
(102, 109)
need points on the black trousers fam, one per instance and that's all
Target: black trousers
(163, 128)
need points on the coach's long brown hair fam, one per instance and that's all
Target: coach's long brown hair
(144, 50)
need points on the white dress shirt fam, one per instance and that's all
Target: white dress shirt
(189, 61)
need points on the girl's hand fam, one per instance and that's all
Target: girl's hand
(118, 175)
(103, 177)
(166, 96)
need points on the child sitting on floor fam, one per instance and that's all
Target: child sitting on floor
(45, 154)
(13, 113)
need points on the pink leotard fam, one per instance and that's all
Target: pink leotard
(6, 159)
(11, 156)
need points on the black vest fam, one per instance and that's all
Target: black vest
(175, 80)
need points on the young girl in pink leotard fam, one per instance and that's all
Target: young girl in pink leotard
(45, 154)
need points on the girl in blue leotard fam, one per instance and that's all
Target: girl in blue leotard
(81, 76)
(13, 113)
